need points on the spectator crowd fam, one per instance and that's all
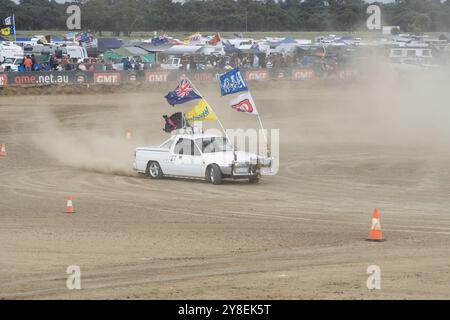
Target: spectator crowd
(198, 62)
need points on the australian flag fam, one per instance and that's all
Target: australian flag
(183, 93)
(232, 82)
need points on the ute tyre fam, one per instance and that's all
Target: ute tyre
(214, 175)
(154, 170)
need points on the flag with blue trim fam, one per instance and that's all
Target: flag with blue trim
(182, 94)
(232, 82)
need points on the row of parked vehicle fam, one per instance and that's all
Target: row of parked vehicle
(11, 54)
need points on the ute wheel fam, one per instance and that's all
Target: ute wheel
(254, 179)
(154, 170)
(213, 174)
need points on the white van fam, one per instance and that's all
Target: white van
(10, 51)
(75, 52)
(11, 56)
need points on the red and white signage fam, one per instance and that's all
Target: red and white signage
(3, 80)
(107, 78)
(156, 76)
(257, 75)
(204, 76)
(244, 103)
(302, 74)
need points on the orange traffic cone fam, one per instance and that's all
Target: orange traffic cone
(69, 208)
(375, 231)
(3, 150)
(128, 134)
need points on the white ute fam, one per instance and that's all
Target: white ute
(199, 156)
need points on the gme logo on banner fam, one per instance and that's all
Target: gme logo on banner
(302, 74)
(156, 76)
(107, 78)
(3, 80)
(260, 75)
(204, 76)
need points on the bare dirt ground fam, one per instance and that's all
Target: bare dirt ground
(297, 235)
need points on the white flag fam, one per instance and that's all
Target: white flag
(244, 103)
(8, 21)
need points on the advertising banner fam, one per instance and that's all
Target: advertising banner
(302, 74)
(257, 75)
(107, 78)
(47, 78)
(3, 80)
(157, 76)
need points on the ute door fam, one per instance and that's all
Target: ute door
(172, 166)
(189, 160)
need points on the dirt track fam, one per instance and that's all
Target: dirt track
(297, 235)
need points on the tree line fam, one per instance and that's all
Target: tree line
(125, 16)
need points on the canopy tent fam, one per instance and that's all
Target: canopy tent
(182, 49)
(126, 52)
(105, 44)
(149, 58)
(229, 48)
(152, 48)
(111, 55)
(137, 51)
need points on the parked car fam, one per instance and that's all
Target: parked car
(12, 64)
(172, 64)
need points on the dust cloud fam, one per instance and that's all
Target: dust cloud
(93, 137)
(388, 107)
(86, 149)
(384, 106)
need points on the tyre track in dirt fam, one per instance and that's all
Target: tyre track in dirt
(32, 181)
(132, 235)
(166, 271)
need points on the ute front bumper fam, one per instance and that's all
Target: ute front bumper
(240, 170)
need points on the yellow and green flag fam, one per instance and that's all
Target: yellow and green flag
(7, 31)
(201, 112)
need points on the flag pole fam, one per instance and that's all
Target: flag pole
(218, 120)
(264, 134)
(15, 31)
(199, 93)
(262, 128)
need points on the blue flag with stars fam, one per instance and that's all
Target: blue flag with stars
(183, 93)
